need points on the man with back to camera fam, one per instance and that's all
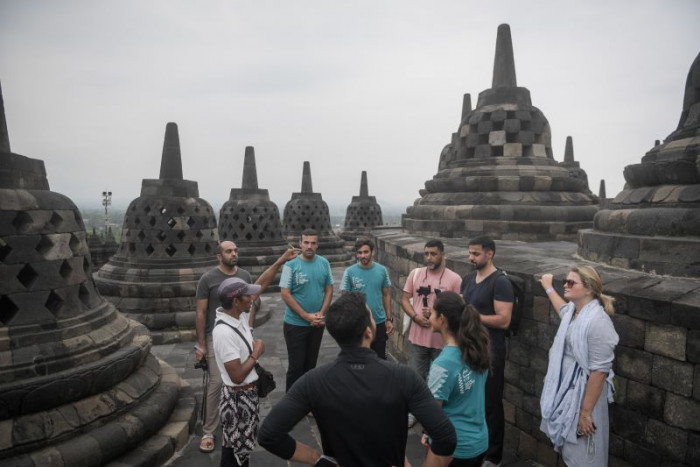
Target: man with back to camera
(422, 285)
(372, 279)
(207, 303)
(359, 425)
(306, 286)
(495, 309)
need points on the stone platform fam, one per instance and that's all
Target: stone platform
(181, 357)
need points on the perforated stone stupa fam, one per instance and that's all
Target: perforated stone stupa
(307, 210)
(169, 239)
(252, 221)
(78, 384)
(363, 213)
(498, 176)
(653, 224)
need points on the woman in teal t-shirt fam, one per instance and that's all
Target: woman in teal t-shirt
(457, 377)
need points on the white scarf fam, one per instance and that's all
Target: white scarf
(561, 403)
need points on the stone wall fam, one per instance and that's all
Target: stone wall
(656, 418)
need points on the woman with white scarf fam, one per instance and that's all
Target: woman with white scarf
(579, 381)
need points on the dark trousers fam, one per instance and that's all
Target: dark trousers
(473, 462)
(379, 342)
(303, 344)
(494, 405)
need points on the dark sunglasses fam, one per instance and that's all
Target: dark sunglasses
(569, 282)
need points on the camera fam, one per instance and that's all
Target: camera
(424, 290)
(202, 364)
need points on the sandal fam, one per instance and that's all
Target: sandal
(207, 444)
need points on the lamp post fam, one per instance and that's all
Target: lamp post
(106, 202)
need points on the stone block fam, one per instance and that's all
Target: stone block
(539, 150)
(640, 455)
(669, 441)
(645, 399)
(696, 383)
(539, 360)
(513, 394)
(508, 412)
(632, 331)
(513, 150)
(672, 375)
(649, 310)
(685, 311)
(497, 138)
(511, 373)
(628, 423)
(541, 307)
(511, 438)
(682, 412)
(526, 138)
(692, 351)
(546, 455)
(666, 340)
(527, 447)
(519, 353)
(511, 125)
(633, 364)
(616, 445)
(498, 115)
(484, 127)
(692, 457)
(482, 151)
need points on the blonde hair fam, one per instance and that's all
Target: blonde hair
(592, 281)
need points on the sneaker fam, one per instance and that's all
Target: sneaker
(411, 420)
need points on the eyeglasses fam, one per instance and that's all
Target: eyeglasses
(569, 282)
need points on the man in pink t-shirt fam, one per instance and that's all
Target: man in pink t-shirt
(422, 285)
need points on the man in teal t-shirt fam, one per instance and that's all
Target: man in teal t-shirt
(306, 286)
(461, 391)
(372, 279)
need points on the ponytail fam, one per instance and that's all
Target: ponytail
(607, 302)
(473, 340)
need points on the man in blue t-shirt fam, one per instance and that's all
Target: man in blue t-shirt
(306, 286)
(495, 309)
(372, 279)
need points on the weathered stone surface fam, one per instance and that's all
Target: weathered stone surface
(672, 375)
(660, 202)
(645, 399)
(666, 340)
(363, 213)
(169, 240)
(682, 412)
(499, 175)
(669, 441)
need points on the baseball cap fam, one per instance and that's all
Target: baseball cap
(235, 287)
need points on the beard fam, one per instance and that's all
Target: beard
(478, 266)
(433, 266)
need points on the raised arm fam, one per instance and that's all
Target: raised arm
(554, 298)
(269, 274)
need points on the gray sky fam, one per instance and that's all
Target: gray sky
(356, 85)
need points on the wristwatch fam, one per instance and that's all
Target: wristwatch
(391, 318)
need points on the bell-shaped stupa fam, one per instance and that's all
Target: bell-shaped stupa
(363, 213)
(498, 176)
(653, 224)
(78, 384)
(252, 221)
(307, 210)
(169, 239)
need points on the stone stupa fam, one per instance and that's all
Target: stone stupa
(307, 210)
(653, 224)
(252, 221)
(498, 176)
(78, 383)
(363, 213)
(169, 239)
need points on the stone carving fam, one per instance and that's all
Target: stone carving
(363, 213)
(252, 221)
(307, 210)
(78, 384)
(498, 175)
(653, 224)
(169, 240)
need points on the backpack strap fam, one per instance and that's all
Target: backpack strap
(499, 273)
(250, 350)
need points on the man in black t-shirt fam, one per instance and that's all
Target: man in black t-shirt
(495, 308)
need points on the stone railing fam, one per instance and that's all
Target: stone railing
(656, 417)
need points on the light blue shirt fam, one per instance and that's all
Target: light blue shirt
(307, 281)
(370, 281)
(462, 391)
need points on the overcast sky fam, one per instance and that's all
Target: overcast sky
(349, 86)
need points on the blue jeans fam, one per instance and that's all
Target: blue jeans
(421, 358)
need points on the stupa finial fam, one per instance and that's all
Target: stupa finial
(306, 186)
(569, 150)
(466, 105)
(601, 190)
(504, 63)
(171, 162)
(250, 172)
(364, 191)
(4, 135)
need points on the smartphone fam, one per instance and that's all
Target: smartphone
(594, 428)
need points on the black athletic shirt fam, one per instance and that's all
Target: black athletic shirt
(479, 295)
(361, 405)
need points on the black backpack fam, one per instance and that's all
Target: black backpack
(518, 285)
